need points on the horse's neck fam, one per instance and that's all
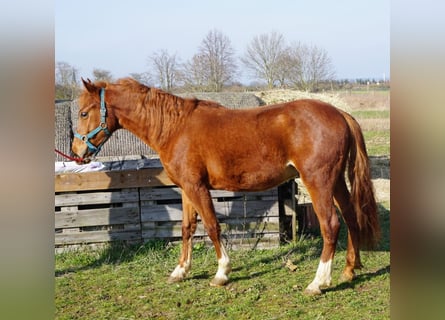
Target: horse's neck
(153, 118)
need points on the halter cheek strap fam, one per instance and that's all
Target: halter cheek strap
(101, 127)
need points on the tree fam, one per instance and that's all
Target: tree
(166, 69)
(217, 52)
(264, 56)
(102, 75)
(66, 81)
(193, 74)
(286, 66)
(143, 78)
(212, 67)
(311, 66)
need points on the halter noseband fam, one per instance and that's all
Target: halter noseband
(101, 127)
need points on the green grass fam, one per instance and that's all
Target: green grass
(371, 114)
(377, 142)
(129, 282)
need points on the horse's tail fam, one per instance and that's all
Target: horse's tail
(362, 191)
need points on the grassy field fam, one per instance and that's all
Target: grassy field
(372, 111)
(129, 282)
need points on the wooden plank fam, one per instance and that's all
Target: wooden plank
(96, 236)
(248, 209)
(173, 212)
(170, 212)
(102, 180)
(174, 230)
(96, 198)
(161, 232)
(150, 194)
(132, 227)
(96, 217)
(248, 195)
(175, 193)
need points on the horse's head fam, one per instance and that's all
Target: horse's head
(94, 123)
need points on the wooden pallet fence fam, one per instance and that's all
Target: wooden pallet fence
(97, 217)
(96, 208)
(307, 219)
(246, 219)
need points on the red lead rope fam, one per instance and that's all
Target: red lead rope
(68, 157)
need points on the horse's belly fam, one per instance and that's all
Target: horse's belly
(252, 180)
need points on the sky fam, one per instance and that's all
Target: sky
(119, 36)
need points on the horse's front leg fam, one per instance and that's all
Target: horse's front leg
(200, 197)
(189, 221)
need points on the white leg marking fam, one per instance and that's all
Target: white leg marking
(322, 277)
(180, 272)
(224, 268)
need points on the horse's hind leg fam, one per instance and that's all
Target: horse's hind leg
(343, 199)
(321, 191)
(189, 222)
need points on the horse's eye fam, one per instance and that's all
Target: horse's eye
(84, 114)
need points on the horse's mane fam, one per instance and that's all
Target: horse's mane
(157, 96)
(125, 83)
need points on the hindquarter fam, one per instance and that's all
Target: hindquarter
(320, 140)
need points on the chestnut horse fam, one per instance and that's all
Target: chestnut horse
(203, 145)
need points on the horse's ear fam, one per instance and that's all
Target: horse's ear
(89, 86)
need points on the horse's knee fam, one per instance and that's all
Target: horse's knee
(186, 232)
(334, 222)
(213, 230)
(330, 230)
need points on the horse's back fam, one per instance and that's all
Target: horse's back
(257, 148)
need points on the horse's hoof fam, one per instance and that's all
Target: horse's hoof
(174, 279)
(346, 277)
(219, 282)
(312, 291)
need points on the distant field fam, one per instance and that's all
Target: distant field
(371, 114)
(372, 111)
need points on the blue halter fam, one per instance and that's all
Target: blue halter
(101, 127)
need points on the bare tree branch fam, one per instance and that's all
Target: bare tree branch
(66, 81)
(194, 73)
(144, 78)
(264, 55)
(312, 66)
(102, 75)
(213, 66)
(166, 69)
